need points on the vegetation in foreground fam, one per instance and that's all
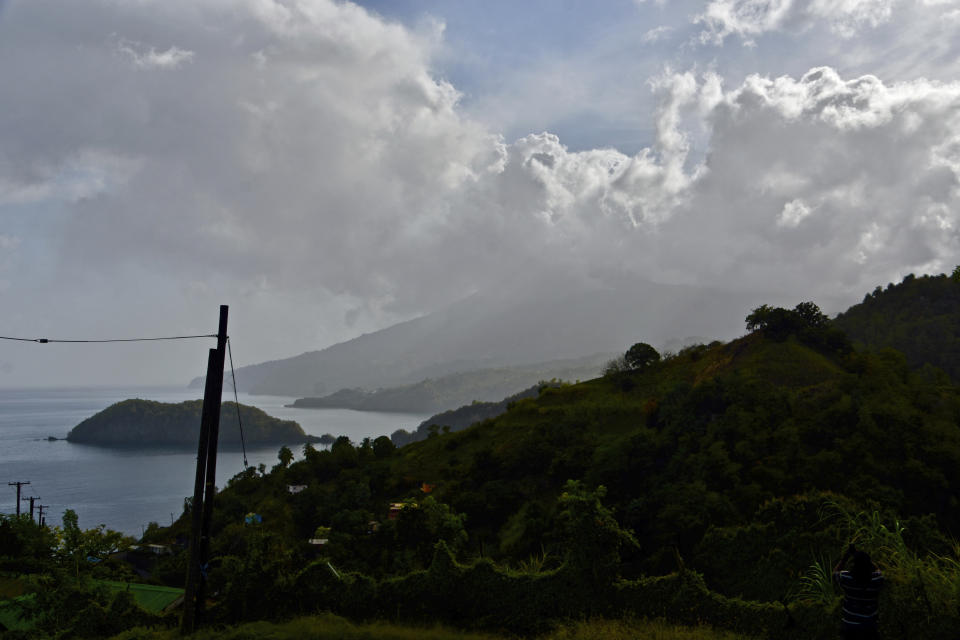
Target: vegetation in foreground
(331, 627)
(713, 486)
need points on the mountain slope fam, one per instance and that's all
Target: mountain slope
(530, 320)
(458, 389)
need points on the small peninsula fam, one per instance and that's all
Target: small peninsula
(147, 423)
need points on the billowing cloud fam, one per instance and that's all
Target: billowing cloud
(826, 184)
(750, 18)
(307, 149)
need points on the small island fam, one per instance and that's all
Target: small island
(147, 423)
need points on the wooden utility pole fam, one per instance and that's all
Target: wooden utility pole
(40, 519)
(31, 499)
(18, 485)
(204, 482)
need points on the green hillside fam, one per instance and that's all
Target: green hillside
(747, 462)
(465, 416)
(920, 316)
(715, 486)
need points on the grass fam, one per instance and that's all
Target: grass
(330, 627)
(637, 630)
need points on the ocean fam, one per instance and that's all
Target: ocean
(127, 489)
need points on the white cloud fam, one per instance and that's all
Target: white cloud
(656, 34)
(793, 213)
(149, 58)
(870, 155)
(750, 18)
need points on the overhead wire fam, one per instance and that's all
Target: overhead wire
(51, 340)
(153, 339)
(233, 378)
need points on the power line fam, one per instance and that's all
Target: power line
(51, 340)
(233, 377)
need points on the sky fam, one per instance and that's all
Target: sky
(329, 168)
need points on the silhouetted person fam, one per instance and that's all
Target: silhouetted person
(861, 595)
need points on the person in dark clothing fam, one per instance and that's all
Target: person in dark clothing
(861, 595)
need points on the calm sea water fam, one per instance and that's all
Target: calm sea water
(126, 489)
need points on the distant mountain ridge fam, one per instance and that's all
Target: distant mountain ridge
(457, 389)
(535, 319)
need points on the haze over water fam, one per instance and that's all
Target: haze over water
(126, 489)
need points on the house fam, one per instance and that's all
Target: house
(397, 507)
(155, 549)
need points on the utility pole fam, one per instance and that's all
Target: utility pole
(31, 499)
(18, 485)
(204, 482)
(41, 519)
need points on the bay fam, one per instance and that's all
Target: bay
(126, 489)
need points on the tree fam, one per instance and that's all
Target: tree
(76, 545)
(285, 455)
(811, 315)
(592, 536)
(615, 366)
(760, 318)
(640, 356)
(778, 323)
(383, 447)
(24, 544)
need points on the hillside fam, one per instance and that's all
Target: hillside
(695, 453)
(714, 486)
(918, 316)
(531, 319)
(147, 423)
(462, 417)
(458, 389)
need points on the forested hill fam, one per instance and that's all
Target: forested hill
(920, 316)
(749, 460)
(147, 423)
